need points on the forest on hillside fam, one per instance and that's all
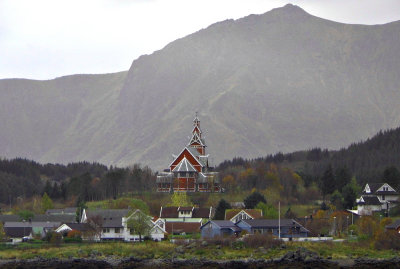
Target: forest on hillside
(22, 179)
(304, 176)
(293, 178)
(365, 160)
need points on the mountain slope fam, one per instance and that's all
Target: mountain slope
(281, 81)
(38, 118)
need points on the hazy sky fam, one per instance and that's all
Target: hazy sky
(43, 39)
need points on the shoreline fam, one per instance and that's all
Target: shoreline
(132, 262)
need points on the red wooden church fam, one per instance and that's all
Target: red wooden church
(189, 171)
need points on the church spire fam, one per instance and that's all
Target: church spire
(196, 141)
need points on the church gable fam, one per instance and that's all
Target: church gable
(189, 157)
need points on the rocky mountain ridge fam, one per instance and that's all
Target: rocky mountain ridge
(280, 81)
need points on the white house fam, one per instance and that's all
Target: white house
(376, 197)
(114, 224)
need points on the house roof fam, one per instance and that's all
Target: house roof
(55, 218)
(255, 213)
(169, 212)
(224, 224)
(238, 205)
(180, 227)
(112, 218)
(369, 200)
(375, 186)
(61, 211)
(273, 223)
(46, 224)
(172, 212)
(201, 213)
(16, 232)
(4, 218)
(78, 226)
(386, 192)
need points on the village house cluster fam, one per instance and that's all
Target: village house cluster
(113, 224)
(119, 224)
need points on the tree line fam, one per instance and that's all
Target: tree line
(83, 181)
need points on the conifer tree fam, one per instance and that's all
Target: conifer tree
(220, 210)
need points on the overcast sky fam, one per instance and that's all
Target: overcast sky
(44, 39)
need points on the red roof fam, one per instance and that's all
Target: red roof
(182, 227)
(255, 213)
(172, 212)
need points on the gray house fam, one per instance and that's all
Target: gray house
(289, 228)
(219, 228)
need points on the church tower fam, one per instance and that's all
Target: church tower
(196, 141)
(189, 171)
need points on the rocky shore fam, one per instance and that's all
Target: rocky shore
(301, 258)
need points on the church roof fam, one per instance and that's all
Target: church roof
(184, 166)
(193, 152)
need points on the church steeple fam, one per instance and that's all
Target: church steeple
(196, 141)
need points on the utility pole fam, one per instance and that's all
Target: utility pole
(279, 220)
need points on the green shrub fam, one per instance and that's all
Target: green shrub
(72, 240)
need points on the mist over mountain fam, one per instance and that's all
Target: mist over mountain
(281, 81)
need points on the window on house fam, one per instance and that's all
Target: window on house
(131, 231)
(106, 230)
(117, 231)
(383, 197)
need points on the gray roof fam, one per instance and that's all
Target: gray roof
(55, 218)
(17, 232)
(374, 189)
(164, 177)
(40, 218)
(62, 211)
(273, 223)
(374, 186)
(4, 218)
(112, 218)
(203, 177)
(369, 200)
(225, 224)
(32, 224)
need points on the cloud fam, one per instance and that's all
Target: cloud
(45, 38)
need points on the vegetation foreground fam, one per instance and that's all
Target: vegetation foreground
(216, 250)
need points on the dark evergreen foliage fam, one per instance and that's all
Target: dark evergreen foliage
(366, 160)
(327, 182)
(253, 199)
(220, 209)
(84, 180)
(392, 176)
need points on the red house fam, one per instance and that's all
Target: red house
(189, 171)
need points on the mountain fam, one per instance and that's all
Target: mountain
(281, 81)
